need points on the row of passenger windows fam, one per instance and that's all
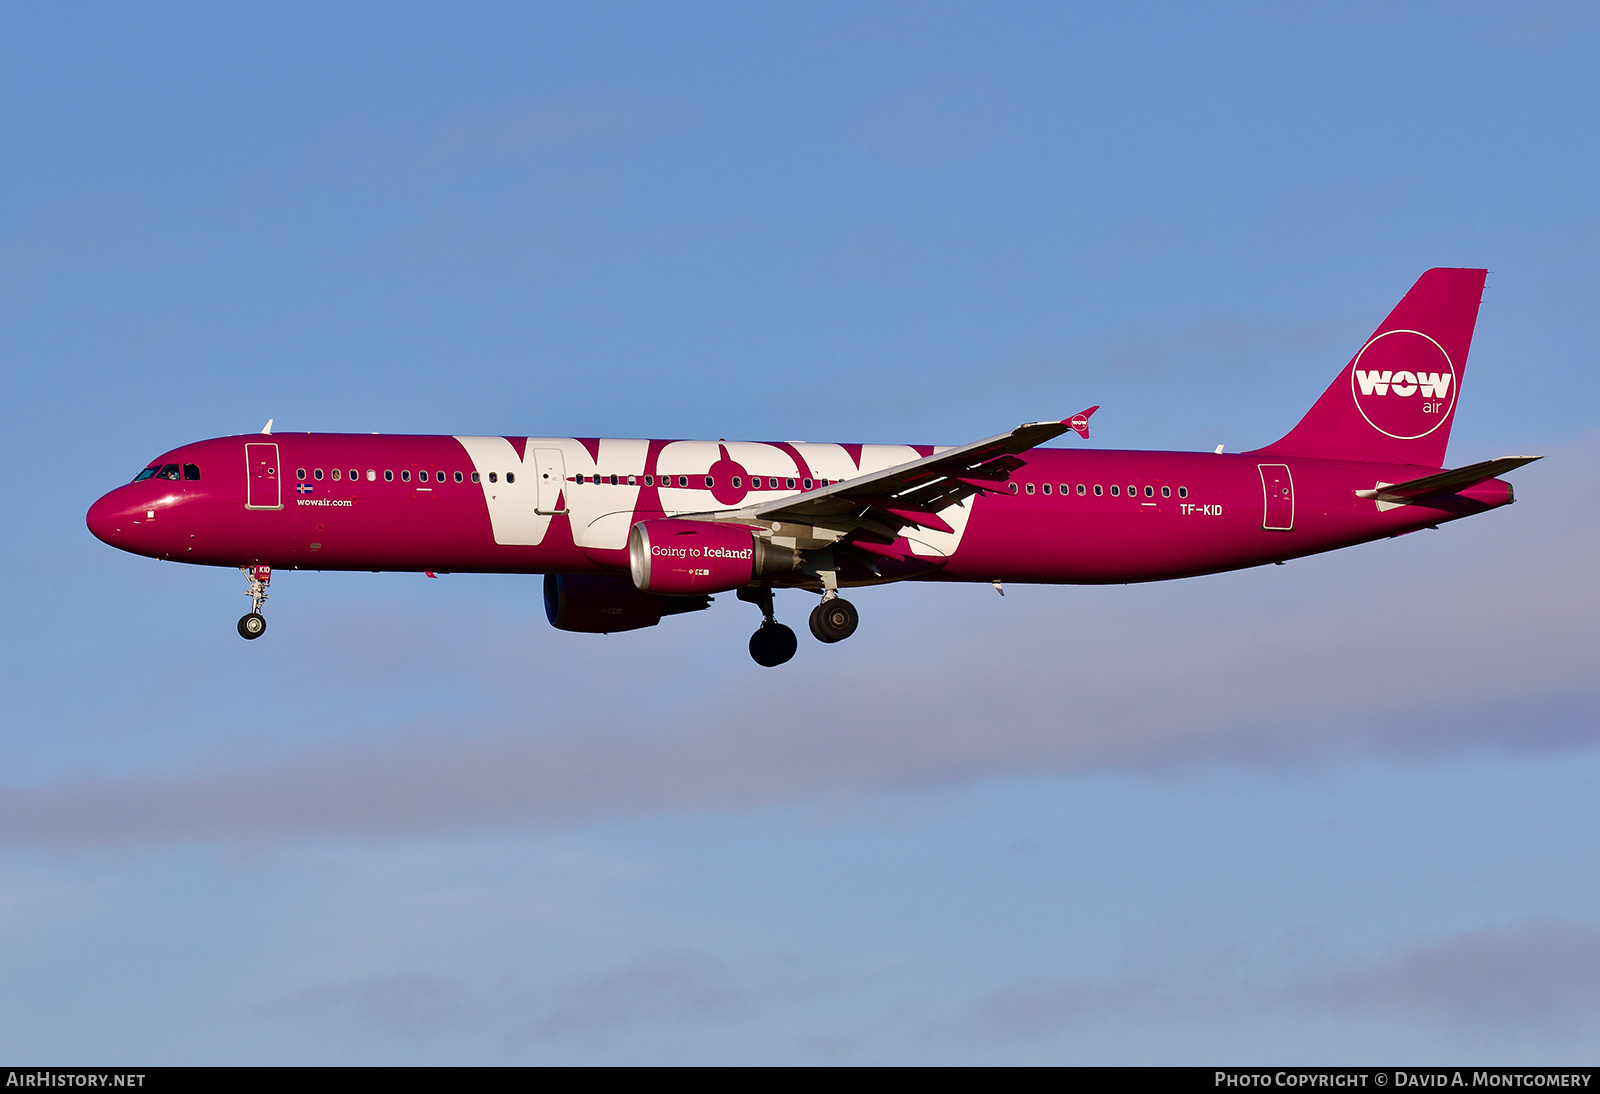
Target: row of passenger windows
(189, 471)
(388, 476)
(614, 480)
(710, 481)
(1116, 491)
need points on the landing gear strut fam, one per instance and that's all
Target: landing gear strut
(773, 643)
(834, 619)
(254, 625)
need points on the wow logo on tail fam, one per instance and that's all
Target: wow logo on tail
(1404, 384)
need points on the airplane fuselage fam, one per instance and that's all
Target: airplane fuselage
(564, 505)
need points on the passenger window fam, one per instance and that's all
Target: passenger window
(1133, 491)
(317, 474)
(649, 480)
(1030, 488)
(475, 477)
(510, 477)
(355, 475)
(683, 480)
(405, 476)
(736, 482)
(335, 474)
(1012, 487)
(372, 476)
(633, 481)
(710, 482)
(459, 476)
(806, 483)
(493, 477)
(1183, 491)
(439, 476)
(1149, 491)
(1045, 488)
(1116, 493)
(191, 472)
(1081, 490)
(388, 476)
(300, 473)
(1166, 491)
(1098, 491)
(772, 484)
(788, 484)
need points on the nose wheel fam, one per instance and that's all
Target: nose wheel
(834, 620)
(773, 643)
(254, 625)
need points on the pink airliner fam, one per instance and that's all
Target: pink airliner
(627, 532)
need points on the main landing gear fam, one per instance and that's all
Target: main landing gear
(254, 625)
(833, 620)
(773, 643)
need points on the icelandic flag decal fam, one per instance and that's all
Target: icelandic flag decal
(303, 488)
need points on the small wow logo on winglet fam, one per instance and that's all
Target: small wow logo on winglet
(1404, 384)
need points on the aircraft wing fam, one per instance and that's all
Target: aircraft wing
(1445, 482)
(879, 504)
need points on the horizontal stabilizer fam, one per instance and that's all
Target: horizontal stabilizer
(1445, 482)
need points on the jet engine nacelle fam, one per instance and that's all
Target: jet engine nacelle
(596, 604)
(682, 557)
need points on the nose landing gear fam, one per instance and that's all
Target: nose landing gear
(254, 625)
(773, 643)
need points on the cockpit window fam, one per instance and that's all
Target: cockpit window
(191, 472)
(147, 473)
(168, 471)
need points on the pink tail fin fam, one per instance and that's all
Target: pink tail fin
(1394, 402)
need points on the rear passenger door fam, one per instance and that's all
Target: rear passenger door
(1277, 495)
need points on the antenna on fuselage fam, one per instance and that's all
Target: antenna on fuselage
(1219, 447)
(267, 429)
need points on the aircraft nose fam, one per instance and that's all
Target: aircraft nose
(103, 520)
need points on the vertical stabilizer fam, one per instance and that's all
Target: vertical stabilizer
(1394, 402)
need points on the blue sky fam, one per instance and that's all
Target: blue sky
(1337, 811)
